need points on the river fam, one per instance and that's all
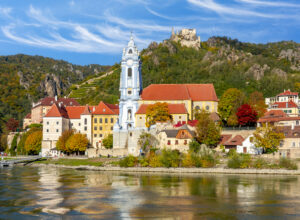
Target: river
(55, 193)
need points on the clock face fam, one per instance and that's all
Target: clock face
(129, 62)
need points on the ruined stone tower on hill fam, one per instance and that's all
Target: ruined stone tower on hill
(186, 37)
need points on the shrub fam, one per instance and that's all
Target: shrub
(129, 161)
(155, 161)
(170, 158)
(287, 163)
(239, 161)
(231, 152)
(143, 162)
(191, 160)
(194, 146)
(108, 141)
(259, 163)
(207, 160)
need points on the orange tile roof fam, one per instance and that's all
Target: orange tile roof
(287, 93)
(225, 138)
(74, 112)
(195, 92)
(103, 109)
(57, 111)
(237, 140)
(289, 104)
(49, 101)
(28, 116)
(173, 109)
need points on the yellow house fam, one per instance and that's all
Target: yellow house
(104, 117)
(178, 112)
(193, 96)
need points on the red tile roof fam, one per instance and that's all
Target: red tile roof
(289, 132)
(28, 116)
(104, 109)
(74, 112)
(86, 111)
(288, 93)
(173, 109)
(237, 140)
(195, 92)
(225, 138)
(289, 104)
(57, 111)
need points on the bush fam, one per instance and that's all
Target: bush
(259, 163)
(240, 161)
(108, 141)
(207, 160)
(155, 161)
(194, 146)
(129, 161)
(170, 158)
(191, 160)
(287, 163)
(231, 152)
(143, 162)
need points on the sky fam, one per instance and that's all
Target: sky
(95, 31)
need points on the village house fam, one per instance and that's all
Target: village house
(41, 108)
(286, 101)
(230, 141)
(248, 147)
(290, 146)
(278, 118)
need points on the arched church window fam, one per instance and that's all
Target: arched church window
(130, 51)
(129, 71)
(207, 107)
(197, 108)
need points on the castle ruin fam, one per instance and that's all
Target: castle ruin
(186, 37)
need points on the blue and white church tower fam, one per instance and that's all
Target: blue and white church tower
(130, 90)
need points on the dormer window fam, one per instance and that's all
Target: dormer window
(129, 72)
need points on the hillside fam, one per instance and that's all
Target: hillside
(226, 63)
(24, 79)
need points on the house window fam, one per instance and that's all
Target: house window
(100, 135)
(47, 130)
(176, 142)
(169, 142)
(297, 122)
(197, 108)
(95, 135)
(100, 120)
(79, 124)
(129, 72)
(95, 120)
(129, 92)
(129, 114)
(179, 117)
(185, 142)
(100, 128)
(130, 134)
(111, 120)
(140, 117)
(207, 107)
(85, 121)
(47, 122)
(95, 128)
(294, 144)
(57, 130)
(85, 128)
(106, 120)
(57, 122)
(111, 128)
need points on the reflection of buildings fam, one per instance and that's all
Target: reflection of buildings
(50, 197)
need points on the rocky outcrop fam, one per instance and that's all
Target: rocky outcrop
(23, 82)
(170, 46)
(280, 73)
(257, 71)
(290, 54)
(52, 86)
(187, 37)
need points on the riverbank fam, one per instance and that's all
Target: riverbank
(174, 170)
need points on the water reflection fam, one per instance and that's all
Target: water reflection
(55, 193)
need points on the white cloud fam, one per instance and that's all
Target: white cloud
(221, 9)
(5, 11)
(269, 3)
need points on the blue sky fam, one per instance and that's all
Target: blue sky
(95, 31)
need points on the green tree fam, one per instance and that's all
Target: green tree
(230, 101)
(268, 137)
(158, 112)
(33, 143)
(108, 141)
(77, 143)
(207, 132)
(61, 143)
(194, 146)
(13, 146)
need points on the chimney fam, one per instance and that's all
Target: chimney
(55, 98)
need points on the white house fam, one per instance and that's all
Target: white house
(248, 147)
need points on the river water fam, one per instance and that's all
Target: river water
(55, 193)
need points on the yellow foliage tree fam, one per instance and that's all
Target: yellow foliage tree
(77, 142)
(33, 142)
(61, 143)
(268, 137)
(158, 112)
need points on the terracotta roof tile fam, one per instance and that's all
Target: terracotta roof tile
(237, 140)
(103, 109)
(195, 92)
(74, 112)
(57, 111)
(49, 101)
(289, 132)
(287, 93)
(173, 109)
(289, 104)
(28, 116)
(225, 138)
